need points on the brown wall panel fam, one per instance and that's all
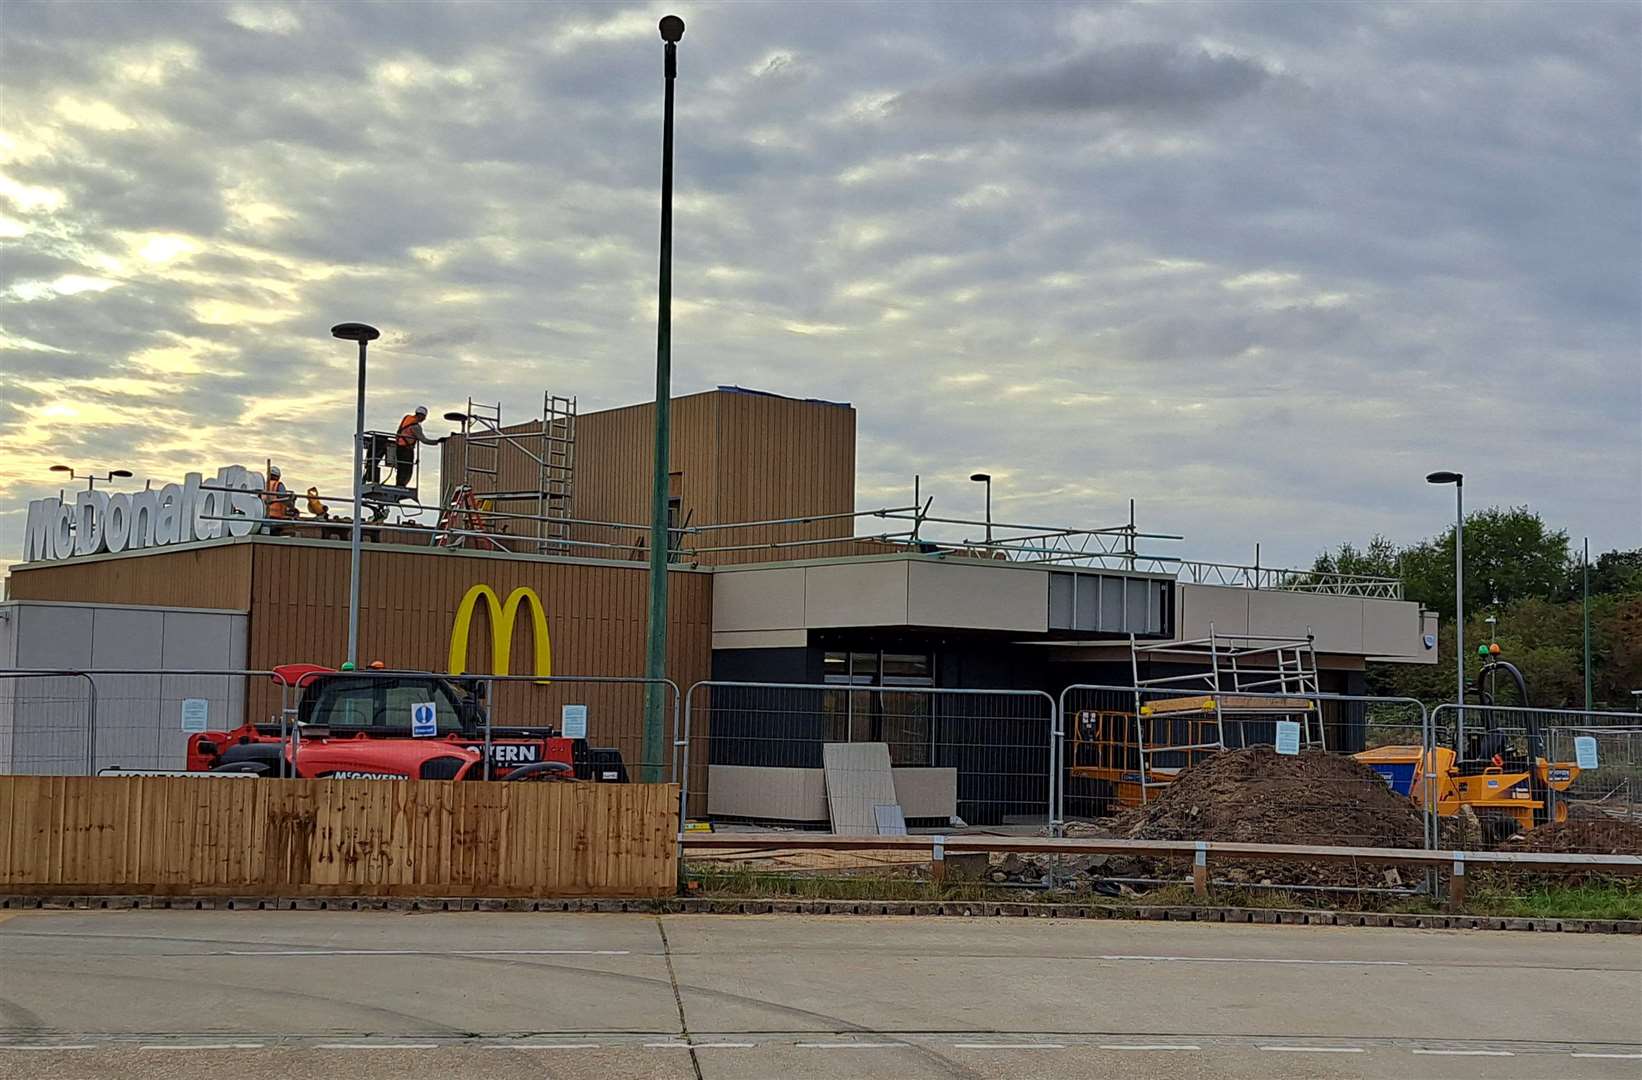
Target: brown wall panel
(217, 575)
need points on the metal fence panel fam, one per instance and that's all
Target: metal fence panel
(1123, 747)
(755, 752)
(47, 721)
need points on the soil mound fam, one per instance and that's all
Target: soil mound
(1256, 795)
(1592, 836)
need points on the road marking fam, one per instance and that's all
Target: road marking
(1315, 1049)
(1467, 1053)
(423, 952)
(1009, 1046)
(541, 1046)
(724, 1046)
(1619, 1057)
(1259, 960)
(202, 1046)
(66, 1046)
(377, 1046)
(667, 1046)
(849, 1046)
(1148, 1046)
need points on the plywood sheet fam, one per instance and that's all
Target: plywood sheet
(858, 780)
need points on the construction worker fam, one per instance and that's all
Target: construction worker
(410, 433)
(277, 502)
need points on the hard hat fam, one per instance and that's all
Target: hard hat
(421, 410)
(273, 470)
(377, 665)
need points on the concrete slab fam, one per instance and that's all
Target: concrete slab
(858, 781)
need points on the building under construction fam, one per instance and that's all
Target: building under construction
(777, 576)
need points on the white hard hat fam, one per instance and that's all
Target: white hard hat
(421, 410)
(273, 470)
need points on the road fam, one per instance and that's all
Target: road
(378, 995)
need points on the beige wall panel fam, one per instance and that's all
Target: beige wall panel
(768, 793)
(760, 639)
(977, 595)
(927, 793)
(858, 594)
(1336, 621)
(770, 599)
(1391, 628)
(1198, 606)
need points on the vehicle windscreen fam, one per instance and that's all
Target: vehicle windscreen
(378, 702)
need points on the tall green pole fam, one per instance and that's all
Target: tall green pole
(655, 666)
(1586, 605)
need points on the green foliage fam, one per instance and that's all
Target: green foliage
(1523, 574)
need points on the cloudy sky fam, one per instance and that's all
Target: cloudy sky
(1259, 267)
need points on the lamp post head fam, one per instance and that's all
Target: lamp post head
(123, 474)
(981, 478)
(355, 331)
(672, 28)
(62, 468)
(456, 417)
(1444, 477)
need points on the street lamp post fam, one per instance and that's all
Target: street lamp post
(986, 478)
(672, 29)
(92, 478)
(364, 334)
(1458, 480)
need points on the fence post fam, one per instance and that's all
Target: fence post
(937, 859)
(1200, 870)
(1456, 883)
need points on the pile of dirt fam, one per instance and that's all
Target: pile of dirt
(1256, 795)
(1592, 836)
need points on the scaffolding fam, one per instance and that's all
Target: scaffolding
(493, 455)
(1237, 686)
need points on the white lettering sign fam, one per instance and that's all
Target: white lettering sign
(1288, 737)
(98, 522)
(574, 721)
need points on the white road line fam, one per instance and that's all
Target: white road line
(1618, 1057)
(1467, 1053)
(725, 1046)
(423, 952)
(667, 1046)
(1009, 1046)
(849, 1046)
(541, 1046)
(1315, 1049)
(377, 1046)
(66, 1046)
(1157, 1046)
(1259, 960)
(202, 1046)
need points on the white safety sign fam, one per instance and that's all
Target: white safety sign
(196, 714)
(1585, 751)
(424, 719)
(1288, 737)
(574, 722)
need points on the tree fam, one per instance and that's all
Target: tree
(1378, 559)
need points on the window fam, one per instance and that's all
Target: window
(899, 718)
(377, 702)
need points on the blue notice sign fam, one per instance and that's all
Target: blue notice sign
(1288, 737)
(424, 719)
(1585, 751)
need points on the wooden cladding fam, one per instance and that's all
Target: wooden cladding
(734, 457)
(212, 574)
(211, 837)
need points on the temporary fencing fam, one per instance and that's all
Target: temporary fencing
(776, 751)
(1124, 747)
(47, 721)
(1611, 787)
(80, 722)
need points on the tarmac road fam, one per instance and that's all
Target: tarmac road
(378, 995)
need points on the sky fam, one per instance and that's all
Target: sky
(1259, 267)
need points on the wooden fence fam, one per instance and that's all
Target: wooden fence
(186, 836)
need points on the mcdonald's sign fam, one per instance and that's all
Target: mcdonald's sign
(501, 617)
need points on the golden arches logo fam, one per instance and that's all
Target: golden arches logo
(501, 617)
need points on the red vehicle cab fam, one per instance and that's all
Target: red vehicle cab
(358, 725)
